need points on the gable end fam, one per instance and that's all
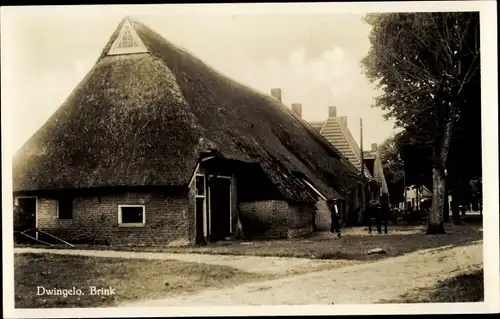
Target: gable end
(127, 41)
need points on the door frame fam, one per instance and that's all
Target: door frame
(230, 204)
(204, 219)
(16, 202)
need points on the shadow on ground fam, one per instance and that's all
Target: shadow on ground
(462, 288)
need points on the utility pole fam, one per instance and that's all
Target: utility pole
(418, 197)
(361, 214)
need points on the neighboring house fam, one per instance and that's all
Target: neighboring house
(154, 147)
(335, 130)
(338, 133)
(417, 197)
(374, 165)
(344, 205)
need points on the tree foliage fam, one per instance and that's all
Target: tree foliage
(427, 66)
(393, 167)
(424, 63)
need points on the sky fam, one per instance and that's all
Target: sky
(313, 58)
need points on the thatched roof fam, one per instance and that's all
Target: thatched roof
(145, 119)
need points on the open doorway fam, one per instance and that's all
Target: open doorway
(25, 215)
(220, 208)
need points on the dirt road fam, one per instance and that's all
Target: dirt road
(253, 264)
(359, 284)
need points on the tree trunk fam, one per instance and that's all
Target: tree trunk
(441, 149)
(435, 220)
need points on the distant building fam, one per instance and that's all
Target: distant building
(417, 197)
(336, 131)
(374, 164)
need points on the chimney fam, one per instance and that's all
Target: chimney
(276, 93)
(332, 111)
(297, 108)
(343, 121)
(374, 147)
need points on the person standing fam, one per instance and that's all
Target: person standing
(314, 213)
(335, 218)
(375, 214)
(385, 213)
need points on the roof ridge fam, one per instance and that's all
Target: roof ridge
(349, 139)
(353, 145)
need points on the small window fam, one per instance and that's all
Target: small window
(65, 208)
(131, 215)
(200, 185)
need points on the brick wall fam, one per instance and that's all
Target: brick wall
(299, 219)
(275, 219)
(168, 219)
(191, 218)
(323, 216)
(264, 219)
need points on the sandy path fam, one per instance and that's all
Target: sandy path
(255, 264)
(361, 284)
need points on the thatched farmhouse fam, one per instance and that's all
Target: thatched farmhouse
(154, 147)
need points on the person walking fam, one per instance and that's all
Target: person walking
(335, 218)
(385, 212)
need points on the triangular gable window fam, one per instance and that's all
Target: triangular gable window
(127, 42)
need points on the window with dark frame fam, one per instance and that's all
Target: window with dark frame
(200, 200)
(127, 40)
(65, 208)
(132, 214)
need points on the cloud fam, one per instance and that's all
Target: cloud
(298, 74)
(297, 57)
(332, 77)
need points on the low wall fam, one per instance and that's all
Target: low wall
(264, 219)
(323, 216)
(275, 219)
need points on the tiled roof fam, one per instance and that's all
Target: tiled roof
(340, 136)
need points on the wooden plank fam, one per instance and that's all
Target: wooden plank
(56, 238)
(36, 239)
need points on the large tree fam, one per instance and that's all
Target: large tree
(427, 65)
(406, 161)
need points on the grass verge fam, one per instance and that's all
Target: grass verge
(131, 279)
(354, 245)
(462, 288)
